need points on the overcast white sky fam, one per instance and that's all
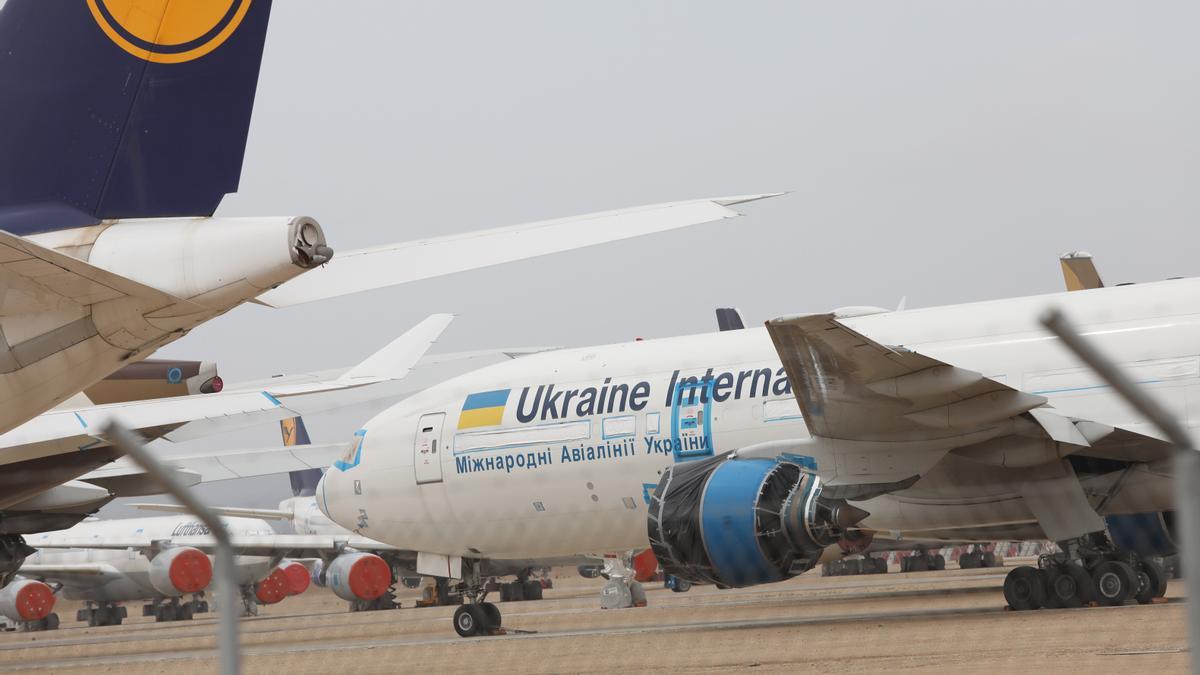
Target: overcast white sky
(945, 151)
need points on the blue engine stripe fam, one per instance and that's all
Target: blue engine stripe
(727, 523)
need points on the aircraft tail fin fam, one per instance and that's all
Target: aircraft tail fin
(117, 109)
(304, 483)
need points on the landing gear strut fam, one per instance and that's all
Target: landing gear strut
(1089, 570)
(476, 617)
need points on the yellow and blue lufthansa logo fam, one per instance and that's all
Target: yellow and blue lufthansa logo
(168, 31)
(483, 409)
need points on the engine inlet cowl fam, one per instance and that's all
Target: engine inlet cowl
(740, 522)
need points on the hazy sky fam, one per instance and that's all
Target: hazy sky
(942, 151)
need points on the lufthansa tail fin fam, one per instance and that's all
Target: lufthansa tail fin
(304, 483)
(120, 109)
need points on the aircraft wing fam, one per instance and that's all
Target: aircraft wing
(380, 266)
(228, 511)
(124, 478)
(294, 545)
(217, 410)
(68, 572)
(887, 413)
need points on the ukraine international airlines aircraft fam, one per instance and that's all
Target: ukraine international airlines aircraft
(123, 126)
(743, 456)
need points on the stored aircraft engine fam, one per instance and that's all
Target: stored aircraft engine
(273, 588)
(26, 600)
(1146, 534)
(297, 576)
(180, 571)
(358, 576)
(741, 522)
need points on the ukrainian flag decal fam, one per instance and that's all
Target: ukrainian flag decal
(483, 409)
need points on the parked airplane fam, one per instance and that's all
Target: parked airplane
(742, 457)
(306, 518)
(110, 177)
(57, 469)
(162, 575)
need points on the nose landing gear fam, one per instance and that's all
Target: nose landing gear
(476, 617)
(1090, 570)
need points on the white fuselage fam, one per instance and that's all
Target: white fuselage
(431, 476)
(124, 574)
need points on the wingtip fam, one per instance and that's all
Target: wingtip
(743, 199)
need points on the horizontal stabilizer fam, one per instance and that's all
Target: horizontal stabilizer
(393, 264)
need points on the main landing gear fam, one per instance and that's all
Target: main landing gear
(476, 617)
(1090, 570)
(172, 609)
(102, 614)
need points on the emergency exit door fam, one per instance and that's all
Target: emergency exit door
(427, 450)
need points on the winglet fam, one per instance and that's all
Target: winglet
(398, 358)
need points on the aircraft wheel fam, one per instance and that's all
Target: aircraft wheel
(533, 589)
(492, 614)
(1152, 581)
(918, 564)
(469, 620)
(1068, 586)
(1113, 582)
(967, 561)
(939, 562)
(988, 559)
(1024, 589)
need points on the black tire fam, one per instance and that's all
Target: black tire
(1070, 586)
(967, 561)
(988, 559)
(491, 614)
(185, 612)
(939, 562)
(469, 621)
(411, 582)
(918, 564)
(904, 564)
(1113, 582)
(51, 621)
(1024, 588)
(533, 590)
(1053, 578)
(1152, 581)
(881, 566)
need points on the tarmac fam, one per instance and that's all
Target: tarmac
(953, 620)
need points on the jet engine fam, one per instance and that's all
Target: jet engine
(26, 600)
(179, 571)
(297, 576)
(741, 522)
(1147, 534)
(273, 588)
(358, 576)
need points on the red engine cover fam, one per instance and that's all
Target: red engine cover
(645, 566)
(297, 577)
(273, 588)
(27, 600)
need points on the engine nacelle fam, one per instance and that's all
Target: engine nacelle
(297, 576)
(180, 571)
(26, 600)
(273, 588)
(215, 262)
(358, 576)
(742, 522)
(1147, 534)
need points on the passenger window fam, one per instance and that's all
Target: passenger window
(652, 423)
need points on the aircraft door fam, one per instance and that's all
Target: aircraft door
(427, 449)
(691, 421)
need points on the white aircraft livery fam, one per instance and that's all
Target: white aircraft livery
(743, 457)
